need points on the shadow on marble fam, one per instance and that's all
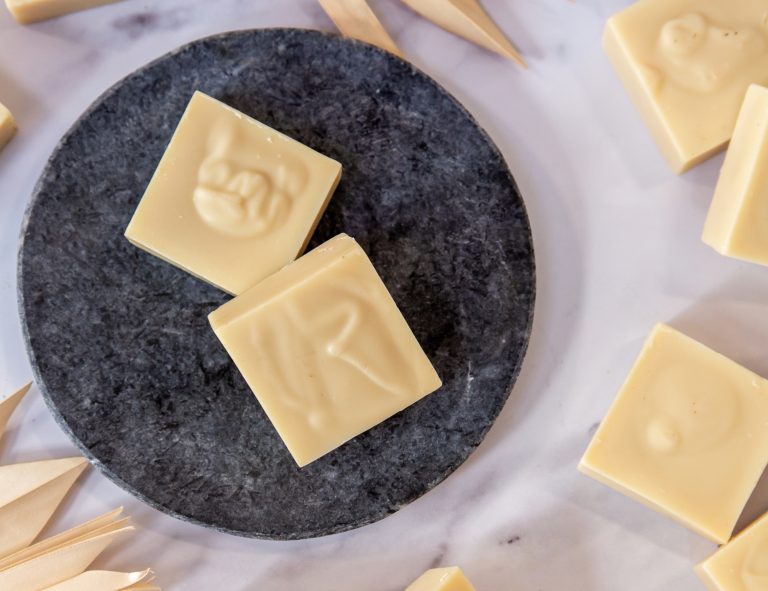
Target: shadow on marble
(732, 319)
(509, 17)
(757, 505)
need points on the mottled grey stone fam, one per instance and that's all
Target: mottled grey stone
(119, 340)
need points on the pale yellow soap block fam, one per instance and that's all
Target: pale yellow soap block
(7, 126)
(325, 349)
(737, 224)
(232, 200)
(30, 11)
(687, 65)
(442, 579)
(740, 565)
(687, 434)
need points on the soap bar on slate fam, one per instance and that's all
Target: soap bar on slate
(325, 349)
(687, 434)
(7, 126)
(687, 65)
(30, 11)
(442, 579)
(232, 200)
(740, 565)
(737, 224)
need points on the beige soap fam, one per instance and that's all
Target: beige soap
(30, 11)
(232, 200)
(687, 434)
(740, 565)
(737, 224)
(449, 578)
(7, 126)
(355, 19)
(687, 65)
(325, 349)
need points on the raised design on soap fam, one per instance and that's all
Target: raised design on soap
(243, 191)
(689, 412)
(324, 354)
(703, 56)
(754, 573)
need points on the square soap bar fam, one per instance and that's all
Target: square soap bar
(687, 65)
(737, 224)
(687, 434)
(442, 579)
(232, 200)
(740, 565)
(325, 349)
(7, 126)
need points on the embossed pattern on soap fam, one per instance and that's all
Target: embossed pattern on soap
(703, 412)
(331, 349)
(702, 55)
(754, 572)
(238, 197)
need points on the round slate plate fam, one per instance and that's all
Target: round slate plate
(119, 340)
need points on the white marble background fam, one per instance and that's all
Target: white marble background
(617, 238)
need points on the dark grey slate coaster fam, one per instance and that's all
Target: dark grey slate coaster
(119, 340)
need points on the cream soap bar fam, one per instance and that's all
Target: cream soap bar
(30, 11)
(687, 65)
(324, 348)
(7, 126)
(742, 564)
(687, 434)
(232, 200)
(442, 579)
(737, 224)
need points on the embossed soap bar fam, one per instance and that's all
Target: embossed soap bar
(30, 11)
(737, 224)
(687, 434)
(7, 126)
(232, 200)
(325, 349)
(687, 65)
(442, 579)
(740, 565)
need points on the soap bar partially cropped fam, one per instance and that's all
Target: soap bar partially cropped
(232, 200)
(325, 349)
(442, 579)
(30, 11)
(7, 126)
(687, 65)
(737, 224)
(687, 434)
(740, 565)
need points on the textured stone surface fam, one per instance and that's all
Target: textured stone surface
(120, 342)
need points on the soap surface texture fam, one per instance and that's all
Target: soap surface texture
(325, 349)
(687, 434)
